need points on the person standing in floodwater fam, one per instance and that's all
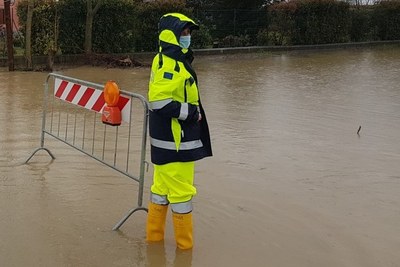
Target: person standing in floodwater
(179, 132)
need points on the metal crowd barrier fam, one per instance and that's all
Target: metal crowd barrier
(70, 115)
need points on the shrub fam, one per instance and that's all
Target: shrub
(282, 20)
(361, 28)
(235, 41)
(311, 21)
(72, 26)
(43, 28)
(114, 27)
(263, 38)
(149, 14)
(202, 38)
(387, 20)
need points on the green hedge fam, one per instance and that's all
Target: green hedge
(147, 24)
(362, 27)
(387, 20)
(119, 26)
(123, 26)
(43, 27)
(321, 22)
(72, 26)
(331, 21)
(307, 22)
(114, 28)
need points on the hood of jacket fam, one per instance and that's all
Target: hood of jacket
(170, 28)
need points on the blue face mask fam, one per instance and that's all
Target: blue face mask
(184, 41)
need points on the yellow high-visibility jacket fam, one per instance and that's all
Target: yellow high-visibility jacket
(176, 134)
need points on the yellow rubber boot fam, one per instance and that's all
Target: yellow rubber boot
(156, 222)
(183, 228)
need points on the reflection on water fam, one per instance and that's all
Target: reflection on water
(290, 175)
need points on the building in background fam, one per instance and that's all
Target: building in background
(14, 17)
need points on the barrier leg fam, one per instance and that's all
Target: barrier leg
(40, 148)
(122, 221)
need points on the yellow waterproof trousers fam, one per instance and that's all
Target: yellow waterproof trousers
(175, 181)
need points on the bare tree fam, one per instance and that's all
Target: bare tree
(9, 32)
(90, 13)
(28, 35)
(52, 46)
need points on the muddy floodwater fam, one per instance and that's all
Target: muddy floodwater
(291, 182)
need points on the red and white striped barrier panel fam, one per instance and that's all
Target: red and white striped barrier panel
(89, 98)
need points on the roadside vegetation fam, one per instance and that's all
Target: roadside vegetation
(99, 27)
